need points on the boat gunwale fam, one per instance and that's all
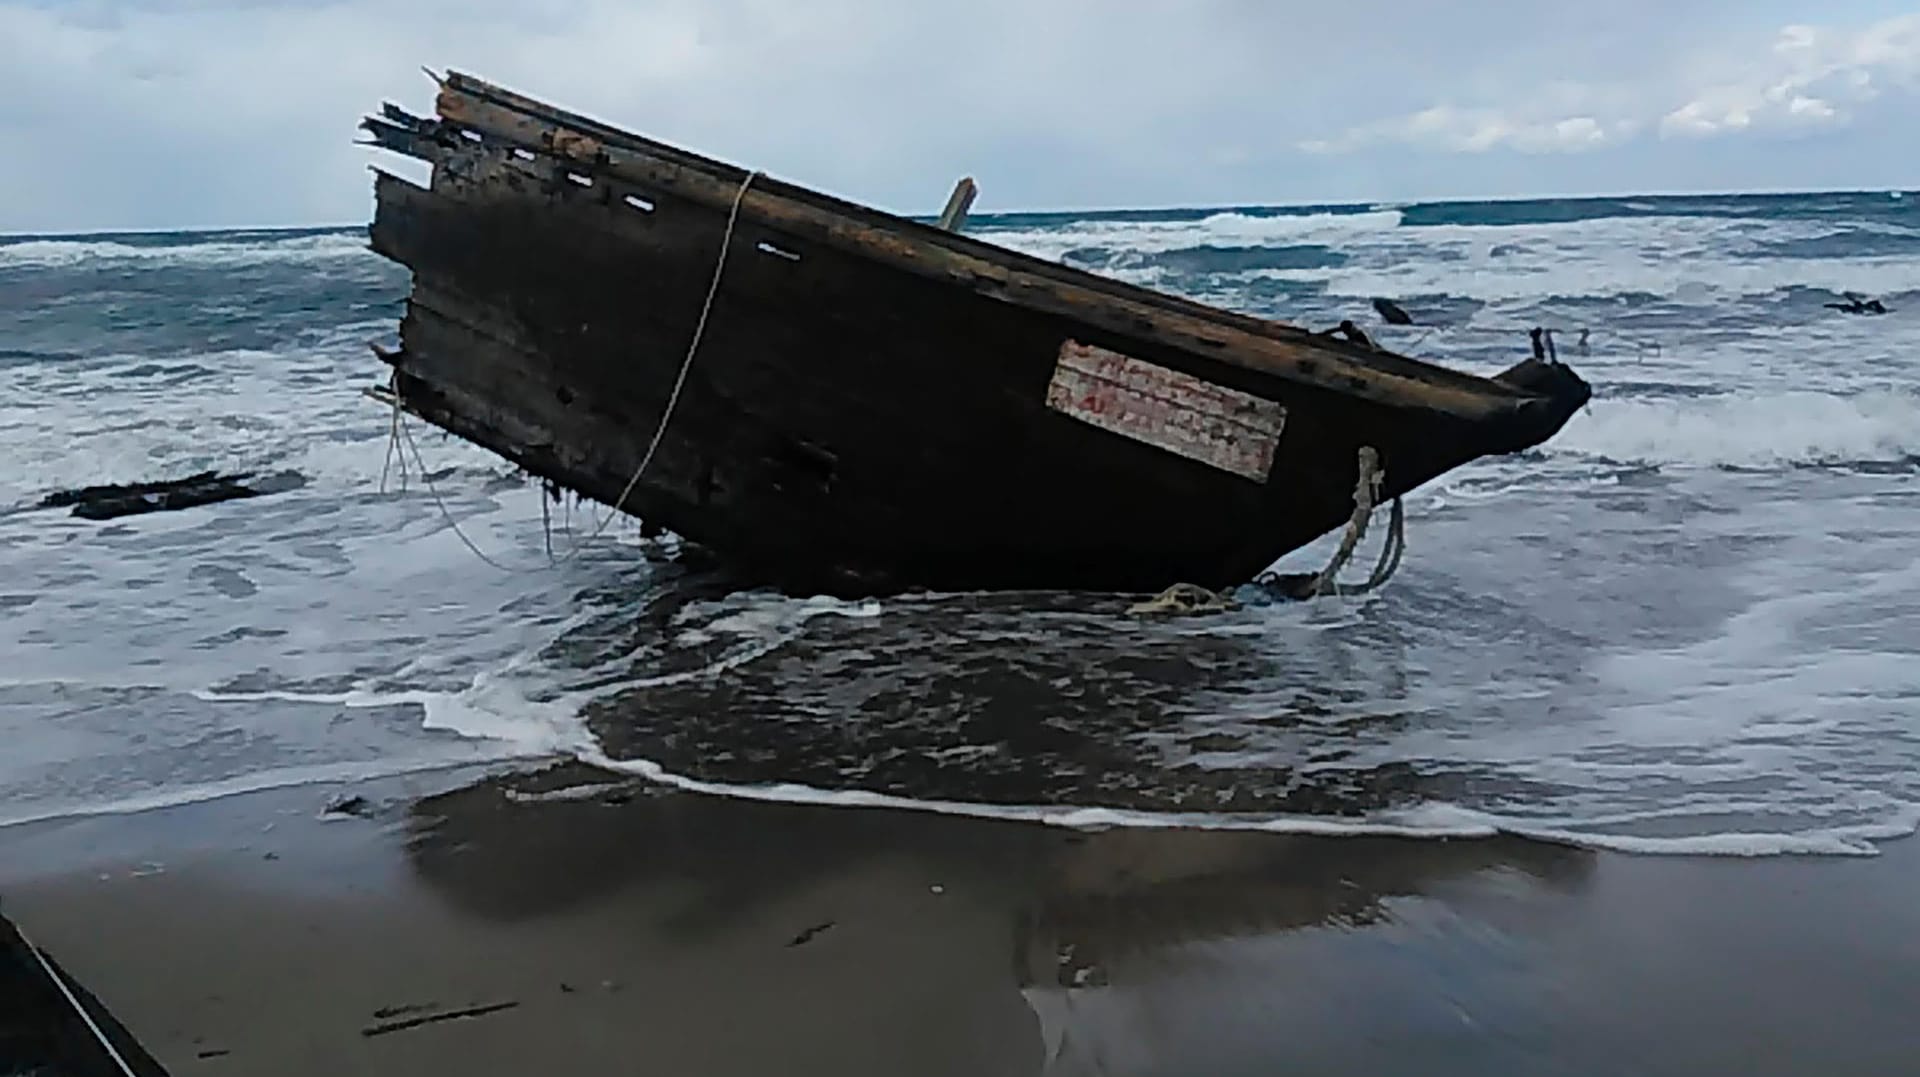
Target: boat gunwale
(1343, 366)
(923, 231)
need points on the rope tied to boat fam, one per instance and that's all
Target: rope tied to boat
(401, 429)
(1187, 598)
(1366, 496)
(686, 365)
(393, 432)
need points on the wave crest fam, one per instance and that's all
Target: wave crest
(1767, 430)
(197, 250)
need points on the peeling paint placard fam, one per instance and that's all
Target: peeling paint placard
(1220, 427)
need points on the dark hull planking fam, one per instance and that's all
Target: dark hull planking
(875, 404)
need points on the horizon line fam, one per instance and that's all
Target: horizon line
(1384, 204)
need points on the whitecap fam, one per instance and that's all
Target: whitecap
(1749, 429)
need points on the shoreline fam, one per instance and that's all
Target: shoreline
(1857, 841)
(488, 920)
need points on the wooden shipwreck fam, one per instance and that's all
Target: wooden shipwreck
(835, 399)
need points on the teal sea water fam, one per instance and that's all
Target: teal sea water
(1689, 623)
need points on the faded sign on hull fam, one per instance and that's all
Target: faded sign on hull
(1220, 427)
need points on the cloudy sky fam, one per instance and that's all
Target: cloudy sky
(210, 113)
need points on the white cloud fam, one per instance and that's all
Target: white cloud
(233, 111)
(1812, 77)
(1457, 130)
(178, 113)
(1809, 77)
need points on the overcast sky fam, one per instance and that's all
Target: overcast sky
(214, 113)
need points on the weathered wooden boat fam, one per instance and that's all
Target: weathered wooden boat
(841, 400)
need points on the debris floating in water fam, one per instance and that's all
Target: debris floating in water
(1856, 305)
(1392, 313)
(110, 501)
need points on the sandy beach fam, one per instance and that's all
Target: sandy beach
(566, 921)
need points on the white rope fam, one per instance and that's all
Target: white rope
(60, 983)
(686, 365)
(1366, 494)
(1390, 554)
(666, 415)
(1188, 598)
(393, 436)
(444, 511)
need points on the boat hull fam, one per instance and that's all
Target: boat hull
(871, 408)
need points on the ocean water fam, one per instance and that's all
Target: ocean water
(1688, 624)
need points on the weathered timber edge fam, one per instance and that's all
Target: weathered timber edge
(1208, 334)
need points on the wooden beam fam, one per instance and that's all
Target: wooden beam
(536, 121)
(1217, 338)
(954, 217)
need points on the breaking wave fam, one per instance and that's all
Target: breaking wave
(1524, 212)
(1208, 258)
(1605, 272)
(1222, 230)
(209, 250)
(1758, 431)
(1859, 242)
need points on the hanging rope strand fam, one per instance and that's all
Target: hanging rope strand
(1390, 553)
(680, 381)
(1187, 598)
(393, 431)
(434, 489)
(1366, 495)
(653, 444)
(1366, 491)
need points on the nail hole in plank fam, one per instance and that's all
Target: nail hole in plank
(777, 252)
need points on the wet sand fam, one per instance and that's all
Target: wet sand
(585, 924)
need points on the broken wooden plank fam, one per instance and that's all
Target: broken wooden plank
(954, 217)
(387, 1028)
(410, 140)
